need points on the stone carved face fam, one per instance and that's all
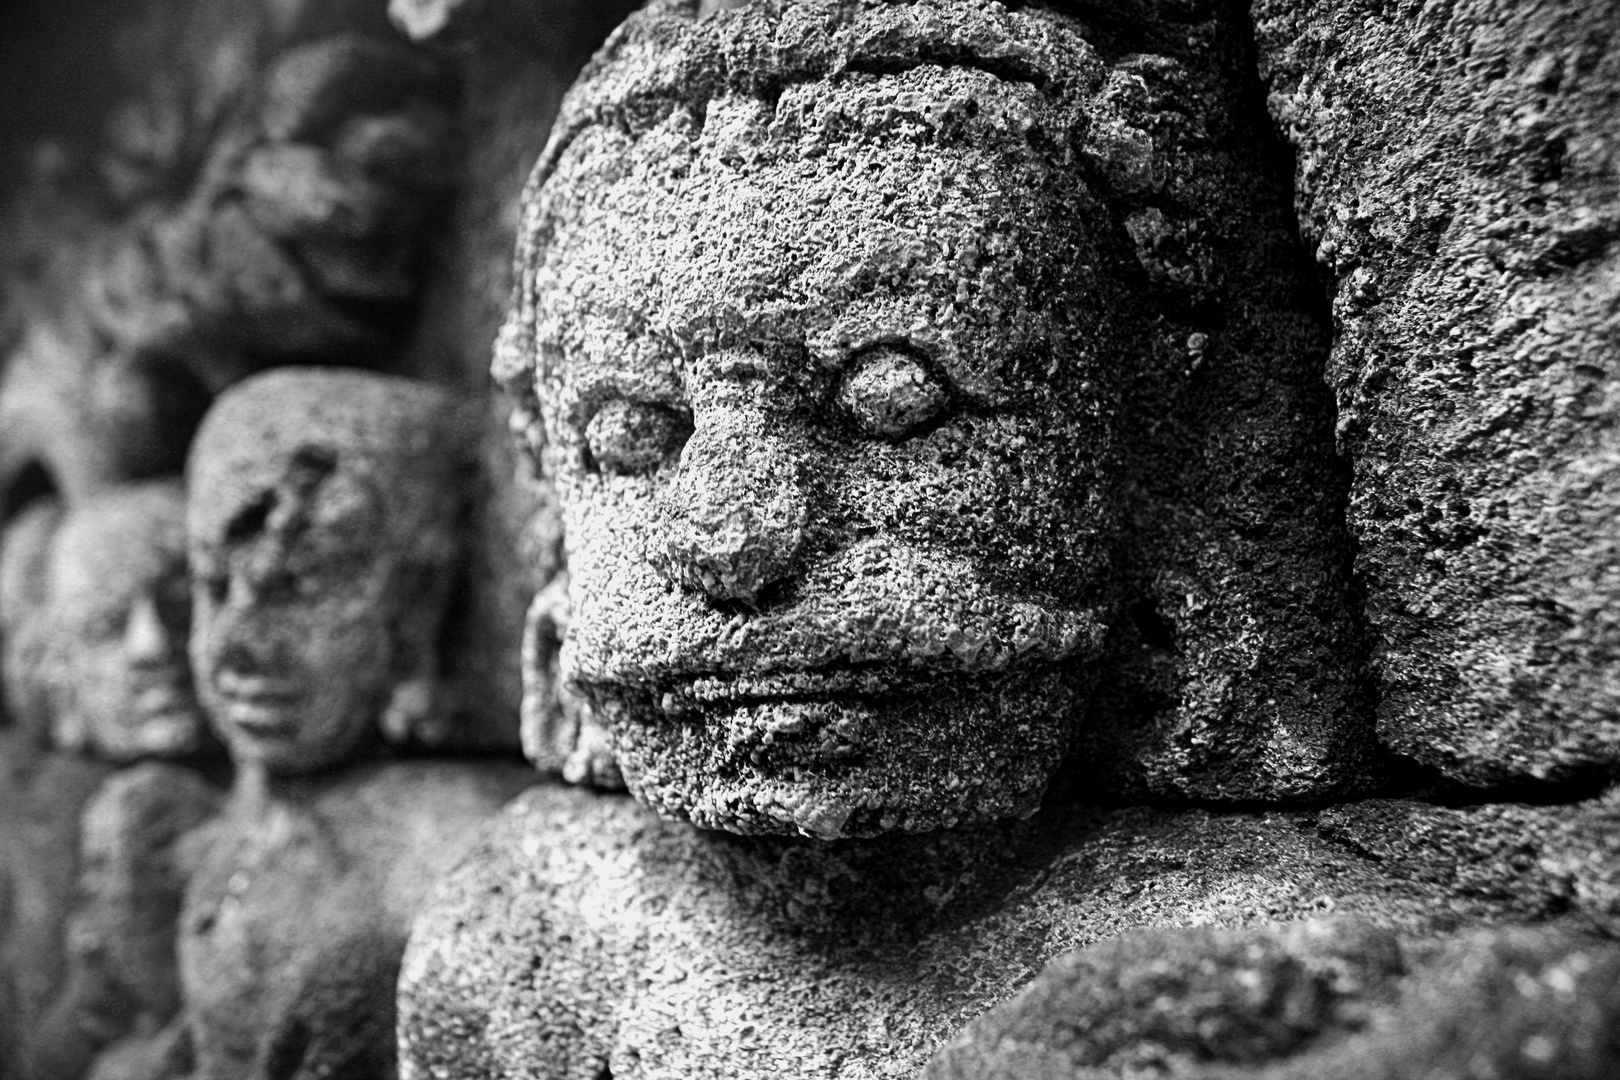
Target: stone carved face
(322, 532)
(109, 639)
(824, 386)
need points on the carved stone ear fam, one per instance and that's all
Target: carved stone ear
(560, 733)
(410, 711)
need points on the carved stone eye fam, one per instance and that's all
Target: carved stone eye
(890, 394)
(634, 436)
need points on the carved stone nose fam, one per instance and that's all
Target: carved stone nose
(736, 513)
(146, 640)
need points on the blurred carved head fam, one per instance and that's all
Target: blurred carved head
(102, 659)
(811, 339)
(323, 525)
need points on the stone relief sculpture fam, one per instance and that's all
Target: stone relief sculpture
(890, 353)
(324, 539)
(101, 664)
(260, 198)
(932, 511)
(324, 523)
(844, 488)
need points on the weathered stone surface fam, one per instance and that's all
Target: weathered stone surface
(42, 795)
(101, 663)
(326, 528)
(297, 913)
(121, 978)
(1313, 999)
(584, 937)
(1456, 175)
(261, 195)
(1541, 860)
(847, 611)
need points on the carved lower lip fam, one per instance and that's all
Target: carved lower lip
(161, 699)
(262, 716)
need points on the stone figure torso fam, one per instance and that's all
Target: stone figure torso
(297, 911)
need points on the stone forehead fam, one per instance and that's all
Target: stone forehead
(407, 439)
(123, 536)
(665, 57)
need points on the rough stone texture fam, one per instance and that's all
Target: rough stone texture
(852, 371)
(121, 978)
(1543, 860)
(326, 527)
(101, 663)
(1457, 177)
(584, 937)
(1321, 1000)
(297, 913)
(260, 195)
(42, 795)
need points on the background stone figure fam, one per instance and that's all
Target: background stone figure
(324, 543)
(101, 664)
(42, 796)
(325, 531)
(261, 196)
(120, 986)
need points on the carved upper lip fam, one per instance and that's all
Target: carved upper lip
(738, 688)
(261, 690)
(882, 618)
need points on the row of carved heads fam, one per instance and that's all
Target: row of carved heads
(296, 591)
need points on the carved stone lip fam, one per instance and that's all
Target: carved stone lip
(262, 690)
(261, 720)
(263, 707)
(735, 689)
(163, 697)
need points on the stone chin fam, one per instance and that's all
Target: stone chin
(960, 750)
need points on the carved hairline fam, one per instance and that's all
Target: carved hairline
(689, 61)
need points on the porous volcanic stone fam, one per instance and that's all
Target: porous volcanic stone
(584, 937)
(1456, 177)
(910, 377)
(1316, 999)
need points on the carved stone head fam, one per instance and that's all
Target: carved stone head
(809, 336)
(323, 524)
(107, 646)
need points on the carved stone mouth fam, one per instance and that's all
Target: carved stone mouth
(163, 697)
(737, 689)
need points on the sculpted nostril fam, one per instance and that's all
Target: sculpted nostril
(736, 517)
